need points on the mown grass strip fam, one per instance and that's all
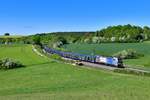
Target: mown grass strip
(133, 71)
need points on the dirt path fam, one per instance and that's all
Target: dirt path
(36, 51)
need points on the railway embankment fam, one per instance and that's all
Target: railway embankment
(134, 71)
(126, 70)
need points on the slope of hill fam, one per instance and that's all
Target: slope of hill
(45, 79)
(13, 36)
(108, 49)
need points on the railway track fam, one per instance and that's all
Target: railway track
(98, 66)
(127, 69)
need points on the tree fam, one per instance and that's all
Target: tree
(140, 37)
(59, 39)
(37, 40)
(127, 33)
(7, 34)
(146, 31)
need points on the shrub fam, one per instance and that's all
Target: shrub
(128, 54)
(57, 44)
(8, 63)
(55, 56)
(95, 40)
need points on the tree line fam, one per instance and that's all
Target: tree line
(125, 33)
(120, 33)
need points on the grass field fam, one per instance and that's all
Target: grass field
(45, 79)
(12, 36)
(108, 49)
(22, 53)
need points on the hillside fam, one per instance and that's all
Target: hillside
(13, 36)
(120, 33)
(43, 78)
(109, 49)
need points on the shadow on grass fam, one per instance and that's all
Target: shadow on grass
(50, 62)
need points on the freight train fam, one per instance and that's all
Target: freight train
(97, 59)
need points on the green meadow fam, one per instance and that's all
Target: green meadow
(108, 49)
(12, 36)
(46, 79)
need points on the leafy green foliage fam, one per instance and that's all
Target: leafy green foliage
(128, 54)
(125, 33)
(55, 56)
(7, 34)
(8, 63)
(37, 40)
(60, 38)
(121, 33)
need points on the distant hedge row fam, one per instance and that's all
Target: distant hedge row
(12, 40)
(121, 33)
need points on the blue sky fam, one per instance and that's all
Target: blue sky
(23, 17)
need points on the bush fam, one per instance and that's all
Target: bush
(128, 54)
(55, 56)
(58, 44)
(8, 63)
